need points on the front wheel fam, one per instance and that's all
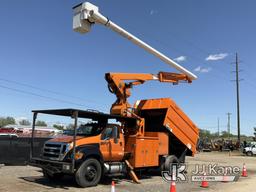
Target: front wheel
(249, 153)
(89, 173)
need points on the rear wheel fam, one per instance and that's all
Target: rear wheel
(167, 162)
(89, 173)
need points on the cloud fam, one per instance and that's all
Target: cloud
(180, 58)
(215, 57)
(18, 119)
(202, 69)
(152, 12)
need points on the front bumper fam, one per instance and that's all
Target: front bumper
(52, 166)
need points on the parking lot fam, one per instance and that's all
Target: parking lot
(27, 178)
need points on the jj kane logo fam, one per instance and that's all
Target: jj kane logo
(178, 172)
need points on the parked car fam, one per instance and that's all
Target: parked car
(250, 151)
(8, 135)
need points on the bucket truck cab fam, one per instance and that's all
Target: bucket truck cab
(88, 152)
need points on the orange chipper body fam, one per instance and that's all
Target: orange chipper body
(162, 127)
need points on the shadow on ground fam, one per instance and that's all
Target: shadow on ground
(64, 183)
(69, 181)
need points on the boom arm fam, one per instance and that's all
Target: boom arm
(87, 14)
(121, 83)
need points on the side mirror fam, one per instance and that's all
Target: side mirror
(115, 134)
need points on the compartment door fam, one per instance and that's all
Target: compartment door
(151, 152)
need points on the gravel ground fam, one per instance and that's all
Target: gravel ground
(27, 178)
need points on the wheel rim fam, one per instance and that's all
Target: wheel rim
(91, 173)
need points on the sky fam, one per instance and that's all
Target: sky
(45, 64)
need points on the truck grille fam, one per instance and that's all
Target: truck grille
(54, 151)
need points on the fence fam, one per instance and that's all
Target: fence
(16, 150)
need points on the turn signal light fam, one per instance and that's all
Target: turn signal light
(79, 155)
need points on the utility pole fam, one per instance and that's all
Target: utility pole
(218, 127)
(237, 80)
(229, 114)
(237, 99)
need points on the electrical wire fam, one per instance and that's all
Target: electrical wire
(42, 96)
(195, 58)
(47, 90)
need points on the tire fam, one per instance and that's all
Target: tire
(249, 153)
(161, 165)
(183, 159)
(53, 177)
(89, 173)
(171, 159)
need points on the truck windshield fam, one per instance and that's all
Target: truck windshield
(87, 130)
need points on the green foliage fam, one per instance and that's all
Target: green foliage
(60, 127)
(6, 121)
(204, 133)
(224, 134)
(41, 123)
(24, 122)
(254, 138)
(70, 126)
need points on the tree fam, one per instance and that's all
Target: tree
(254, 133)
(70, 126)
(204, 133)
(7, 121)
(215, 135)
(24, 122)
(226, 134)
(41, 123)
(60, 127)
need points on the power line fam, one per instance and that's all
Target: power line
(42, 96)
(182, 52)
(46, 90)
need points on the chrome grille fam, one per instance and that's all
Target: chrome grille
(54, 151)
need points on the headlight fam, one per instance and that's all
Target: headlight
(69, 146)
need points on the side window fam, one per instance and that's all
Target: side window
(107, 133)
(116, 133)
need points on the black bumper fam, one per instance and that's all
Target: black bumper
(52, 166)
